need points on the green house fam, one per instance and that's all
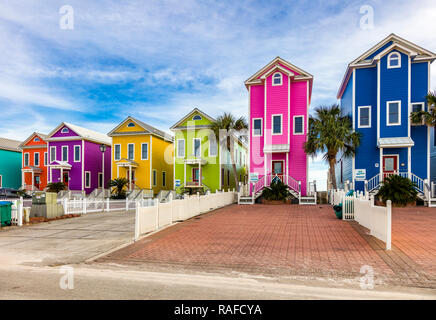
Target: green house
(10, 163)
(199, 163)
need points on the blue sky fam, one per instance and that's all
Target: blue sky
(156, 60)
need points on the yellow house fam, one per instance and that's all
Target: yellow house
(143, 155)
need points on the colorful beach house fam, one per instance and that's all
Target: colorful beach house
(279, 99)
(10, 163)
(34, 162)
(143, 155)
(379, 91)
(199, 164)
(79, 157)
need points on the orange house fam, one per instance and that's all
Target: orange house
(34, 162)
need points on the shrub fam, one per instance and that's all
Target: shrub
(56, 187)
(399, 190)
(276, 191)
(118, 184)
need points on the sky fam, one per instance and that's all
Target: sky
(157, 60)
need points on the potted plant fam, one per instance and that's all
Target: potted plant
(401, 191)
(276, 193)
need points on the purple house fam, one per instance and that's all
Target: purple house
(76, 157)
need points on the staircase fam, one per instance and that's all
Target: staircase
(249, 196)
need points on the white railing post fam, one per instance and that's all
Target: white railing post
(388, 224)
(65, 206)
(127, 204)
(84, 206)
(137, 221)
(157, 213)
(107, 205)
(20, 212)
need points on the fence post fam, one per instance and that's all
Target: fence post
(389, 224)
(170, 199)
(137, 221)
(107, 204)
(157, 212)
(65, 206)
(20, 212)
(84, 206)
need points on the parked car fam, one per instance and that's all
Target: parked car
(7, 193)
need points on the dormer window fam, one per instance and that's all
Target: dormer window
(394, 60)
(65, 130)
(277, 79)
(196, 117)
(131, 124)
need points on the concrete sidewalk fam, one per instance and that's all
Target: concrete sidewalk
(66, 241)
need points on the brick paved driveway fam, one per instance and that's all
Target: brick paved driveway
(292, 240)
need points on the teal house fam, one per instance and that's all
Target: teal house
(10, 163)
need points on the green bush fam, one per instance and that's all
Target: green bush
(119, 184)
(276, 191)
(399, 190)
(56, 187)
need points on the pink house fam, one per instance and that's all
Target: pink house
(279, 99)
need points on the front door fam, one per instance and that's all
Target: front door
(390, 165)
(277, 169)
(196, 175)
(36, 182)
(66, 178)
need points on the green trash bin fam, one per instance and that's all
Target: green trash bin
(5, 213)
(338, 211)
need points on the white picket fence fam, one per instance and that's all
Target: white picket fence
(16, 211)
(152, 218)
(361, 208)
(84, 206)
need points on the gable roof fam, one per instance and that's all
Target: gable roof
(41, 135)
(375, 53)
(84, 133)
(190, 114)
(10, 145)
(276, 64)
(145, 126)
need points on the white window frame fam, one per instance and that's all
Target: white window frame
(358, 117)
(193, 147)
(210, 146)
(99, 185)
(51, 152)
(184, 148)
(389, 60)
(28, 159)
(142, 149)
(80, 153)
(115, 152)
(302, 126)
(272, 124)
(422, 104)
(164, 178)
(399, 113)
(88, 185)
(130, 144)
(39, 159)
(62, 153)
(281, 79)
(65, 130)
(45, 158)
(154, 178)
(261, 127)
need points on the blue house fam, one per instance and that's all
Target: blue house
(379, 91)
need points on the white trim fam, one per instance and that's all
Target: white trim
(283, 166)
(184, 148)
(391, 155)
(151, 159)
(142, 150)
(164, 179)
(193, 147)
(52, 148)
(89, 180)
(422, 104)
(114, 153)
(288, 118)
(358, 116)
(74, 153)
(39, 159)
(67, 130)
(281, 79)
(249, 136)
(409, 96)
(261, 127)
(390, 57)
(83, 165)
(272, 124)
(353, 161)
(378, 100)
(399, 113)
(62, 153)
(28, 159)
(409, 161)
(302, 126)
(130, 144)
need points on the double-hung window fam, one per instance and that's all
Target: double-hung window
(26, 159)
(52, 154)
(213, 146)
(131, 151)
(364, 115)
(65, 153)
(76, 153)
(36, 159)
(393, 113)
(197, 147)
(181, 148)
(257, 127)
(144, 151)
(117, 152)
(277, 124)
(45, 158)
(298, 125)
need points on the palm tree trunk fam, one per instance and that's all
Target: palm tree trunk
(332, 163)
(232, 159)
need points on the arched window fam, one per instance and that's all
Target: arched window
(36, 139)
(131, 124)
(277, 79)
(65, 130)
(394, 60)
(196, 117)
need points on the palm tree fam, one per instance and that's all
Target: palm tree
(119, 184)
(229, 123)
(330, 131)
(426, 117)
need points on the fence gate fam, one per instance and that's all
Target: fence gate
(348, 208)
